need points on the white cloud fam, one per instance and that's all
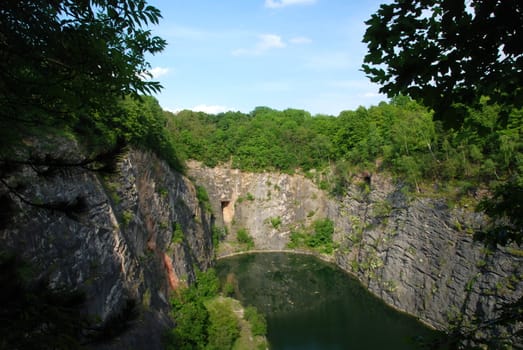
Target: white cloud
(270, 41)
(154, 73)
(265, 43)
(284, 3)
(300, 40)
(211, 109)
(159, 72)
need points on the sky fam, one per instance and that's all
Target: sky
(239, 54)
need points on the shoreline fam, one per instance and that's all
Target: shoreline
(330, 259)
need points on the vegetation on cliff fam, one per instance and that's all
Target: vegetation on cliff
(464, 63)
(401, 137)
(206, 320)
(51, 88)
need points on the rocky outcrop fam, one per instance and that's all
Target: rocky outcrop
(115, 241)
(268, 205)
(133, 237)
(417, 254)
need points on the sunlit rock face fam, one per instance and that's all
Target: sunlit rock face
(416, 253)
(115, 241)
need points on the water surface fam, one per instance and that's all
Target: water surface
(310, 304)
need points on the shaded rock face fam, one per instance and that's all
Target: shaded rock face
(416, 254)
(119, 247)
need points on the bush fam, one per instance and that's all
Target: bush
(257, 321)
(320, 239)
(192, 322)
(218, 234)
(276, 222)
(243, 237)
(191, 315)
(203, 197)
(177, 236)
(223, 328)
(207, 284)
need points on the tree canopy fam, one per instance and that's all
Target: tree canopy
(63, 63)
(445, 52)
(454, 56)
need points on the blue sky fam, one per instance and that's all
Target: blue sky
(240, 54)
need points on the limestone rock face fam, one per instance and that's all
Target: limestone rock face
(417, 254)
(118, 245)
(250, 200)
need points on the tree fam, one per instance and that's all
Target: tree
(451, 54)
(66, 67)
(448, 52)
(64, 63)
(454, 55)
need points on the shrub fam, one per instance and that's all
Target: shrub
(243, 237)
(177, 235)
(257, 321)
(223, 328)
(218, 234)
(190, 314)
(276, 222)
(192, 322)
(203, 197)
(320, 239)
(127, 216)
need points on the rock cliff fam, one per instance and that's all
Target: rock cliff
(417, 254)
(125, 240)
(133, 237)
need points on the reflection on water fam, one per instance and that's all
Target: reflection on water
(310, 304)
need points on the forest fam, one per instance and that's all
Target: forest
(399, 137)
(469, 137)
(452, 128)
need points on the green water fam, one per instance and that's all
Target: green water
(310, 304)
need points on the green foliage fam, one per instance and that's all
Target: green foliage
(223, 326)
(218, 234)
(177, 236)
(127, 216)
(163, 192)
(191, 315)
(205, 320)
(263, 139)
(142, 123)
(400, 137)
(57, 84)
(506, 208)
(322, 236)
(382, 209)
(207, 284)
(257, 321)
(432, 51)
(462, 60)
(228, 289)
(275, 222)
(317, 237)
(243, 237)
(192, 322)
(203, 197)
